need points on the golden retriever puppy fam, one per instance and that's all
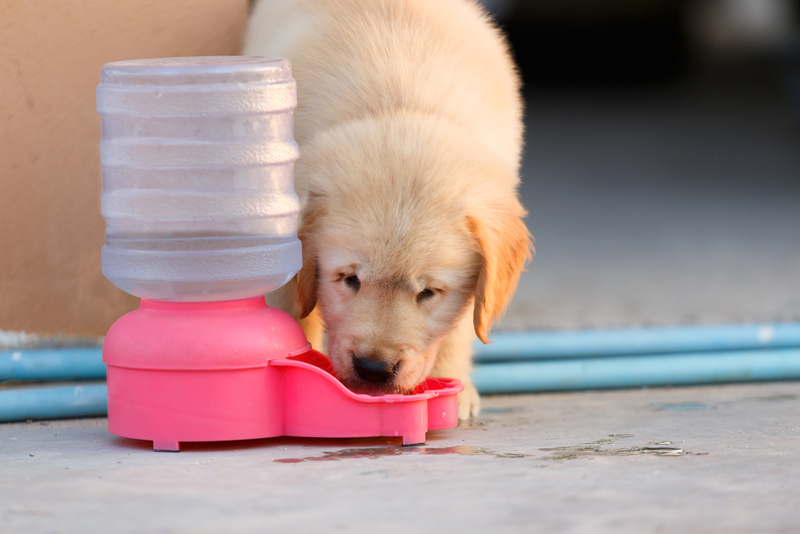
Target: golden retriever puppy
(409, 122)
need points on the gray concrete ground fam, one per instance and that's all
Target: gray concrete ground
(546, 463)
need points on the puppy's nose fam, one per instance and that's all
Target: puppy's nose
(373, 370)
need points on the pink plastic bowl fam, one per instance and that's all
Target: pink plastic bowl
(217, 371)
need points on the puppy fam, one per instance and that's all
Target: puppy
(409, 122)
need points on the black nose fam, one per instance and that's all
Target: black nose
(373, 370)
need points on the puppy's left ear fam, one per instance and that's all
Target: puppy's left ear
(505, 247)
(308, 274)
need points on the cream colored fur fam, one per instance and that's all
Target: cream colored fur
(410, 129)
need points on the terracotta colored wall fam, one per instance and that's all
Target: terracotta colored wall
(51, 230)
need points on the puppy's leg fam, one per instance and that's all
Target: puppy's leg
(285, 298)
(454, 360)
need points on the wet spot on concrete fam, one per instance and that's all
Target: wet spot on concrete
(500, 410)
(473, 423)
(774, 398)
(596, 448)
(680, 406)
(374, 453)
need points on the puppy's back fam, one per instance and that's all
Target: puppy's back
(357, 58)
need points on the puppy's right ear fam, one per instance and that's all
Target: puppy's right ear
(308, 274)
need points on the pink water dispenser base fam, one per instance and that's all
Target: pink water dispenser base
(235, 370)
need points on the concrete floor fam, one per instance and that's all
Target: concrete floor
(532, 463)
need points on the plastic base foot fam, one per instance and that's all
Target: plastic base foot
(166, 445)
(413, 439)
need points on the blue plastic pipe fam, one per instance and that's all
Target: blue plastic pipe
(86, 363)
(633, 371)
(533, 361)
(53, 364)
(84, 400)
(519, 377)
(512, 346)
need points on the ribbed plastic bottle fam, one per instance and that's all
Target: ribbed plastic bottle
(198, 177)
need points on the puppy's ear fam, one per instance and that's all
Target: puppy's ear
(308, 274)
(505, 247)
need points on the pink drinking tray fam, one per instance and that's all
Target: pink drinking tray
(217, 371)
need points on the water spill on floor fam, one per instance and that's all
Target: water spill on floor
(680, 407)
(501, 410)
(374, 453)
(570, 452)
(596, 448)
(773, 398)
(474, 423)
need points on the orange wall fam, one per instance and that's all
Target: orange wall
(51, 230)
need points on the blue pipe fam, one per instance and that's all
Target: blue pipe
(513, 346)
(86, 363)
(519, 377)
(553, 361)
(84, 400)
(53, 364)
(633, 371)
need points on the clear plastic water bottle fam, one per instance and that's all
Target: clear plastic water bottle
(198, 177)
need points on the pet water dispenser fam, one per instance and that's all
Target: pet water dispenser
(201, 221)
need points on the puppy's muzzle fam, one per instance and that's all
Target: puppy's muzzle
(373, 370)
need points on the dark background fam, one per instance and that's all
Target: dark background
(662, 162)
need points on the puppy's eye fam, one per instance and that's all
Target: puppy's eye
(352, 282)
(425, 294)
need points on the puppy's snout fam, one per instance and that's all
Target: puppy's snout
(373, 370)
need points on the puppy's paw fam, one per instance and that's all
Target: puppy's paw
(469, 402)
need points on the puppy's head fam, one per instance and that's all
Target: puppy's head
(405, 224)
